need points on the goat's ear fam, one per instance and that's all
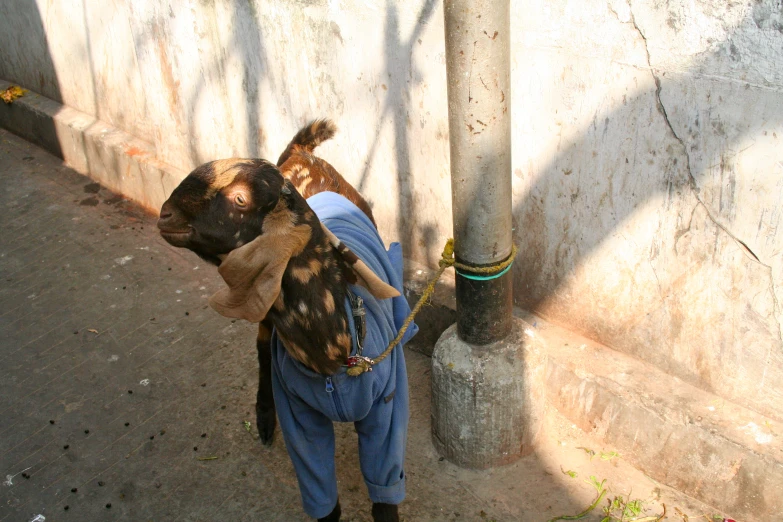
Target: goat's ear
(253, 273)
(357, 272)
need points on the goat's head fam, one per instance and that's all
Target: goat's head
(220, 206)
(273, 253)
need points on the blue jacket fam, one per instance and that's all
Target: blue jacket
(376, 402)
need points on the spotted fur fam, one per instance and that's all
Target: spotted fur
(311, 174)
(201, 204)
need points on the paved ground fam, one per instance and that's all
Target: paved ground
(123, 396)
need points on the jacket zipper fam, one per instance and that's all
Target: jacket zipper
(335, 400)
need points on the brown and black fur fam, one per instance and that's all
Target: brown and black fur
(311, 174)
(196, 217)
(308, 314)
(316, 334)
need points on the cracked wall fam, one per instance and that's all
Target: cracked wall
(650, 189)
(647, 173)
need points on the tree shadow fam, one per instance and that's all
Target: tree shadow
(214, 86)
(401, 73)
(665, 145)
(248, 41)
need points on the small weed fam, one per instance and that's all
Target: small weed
(590, 452)
(599, 487)
(622, 508)
(605, 455)
(609, 455)
(570, 473)
(627, 509)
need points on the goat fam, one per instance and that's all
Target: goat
(287, 271)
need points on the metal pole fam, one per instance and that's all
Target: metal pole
(478, 72)
(488, 369)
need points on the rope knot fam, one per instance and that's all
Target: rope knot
(447, 257)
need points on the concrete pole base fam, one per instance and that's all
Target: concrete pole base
(488, 402)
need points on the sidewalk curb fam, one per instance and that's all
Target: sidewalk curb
(715, 451)
(693, 441)
(115, 159)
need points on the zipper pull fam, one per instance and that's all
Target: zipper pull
(360, 323)
(329, 385)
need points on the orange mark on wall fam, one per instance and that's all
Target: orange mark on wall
(167, 76)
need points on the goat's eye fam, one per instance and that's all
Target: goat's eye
(240, 200)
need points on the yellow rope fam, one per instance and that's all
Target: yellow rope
(446, 260)
(484, 269)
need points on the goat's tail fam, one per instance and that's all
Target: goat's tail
(309, 137)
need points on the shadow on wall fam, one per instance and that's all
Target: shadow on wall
(700, 319)
(214, 94)
(401, 75)
(249, 42)
(578, 203)
(26, 61)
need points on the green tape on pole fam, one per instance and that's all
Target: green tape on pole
(485, 278)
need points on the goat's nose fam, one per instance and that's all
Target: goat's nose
(166, 215)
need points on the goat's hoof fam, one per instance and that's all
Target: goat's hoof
(385, 512)
(267, 438)
(265, 423)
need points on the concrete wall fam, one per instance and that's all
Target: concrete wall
(649, 183)
(648, 177)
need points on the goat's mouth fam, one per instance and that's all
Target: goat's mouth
(178, 238)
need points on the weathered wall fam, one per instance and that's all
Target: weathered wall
(648, 178)
(649, 183)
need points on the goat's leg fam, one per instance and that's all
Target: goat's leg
(266, 419)
(385, 512)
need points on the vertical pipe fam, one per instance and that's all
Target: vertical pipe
(478, 74)
(487, 372)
